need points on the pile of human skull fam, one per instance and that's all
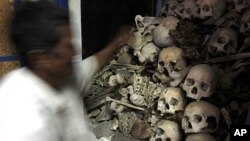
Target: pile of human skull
(174, 80)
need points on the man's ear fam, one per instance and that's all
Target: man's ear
(38, 59)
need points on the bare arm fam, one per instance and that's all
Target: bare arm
(120, 39)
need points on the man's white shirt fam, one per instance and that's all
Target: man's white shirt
(31, 110)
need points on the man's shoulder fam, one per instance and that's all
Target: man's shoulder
(12, 77)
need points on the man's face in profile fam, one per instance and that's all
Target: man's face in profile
(61, 59)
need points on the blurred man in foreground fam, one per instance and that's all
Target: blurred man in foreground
(40, 101)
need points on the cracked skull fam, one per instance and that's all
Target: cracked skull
(200, 116)
(172, 64)
(161, 35)
(171, 101)
(200, 82)
(223, 42)
(167, 130)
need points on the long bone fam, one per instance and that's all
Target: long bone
(125, 104)
(230, 58)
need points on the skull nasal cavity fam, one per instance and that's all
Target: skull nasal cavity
(167, 106)
(213, 49)
(194, 90)
(189, 10)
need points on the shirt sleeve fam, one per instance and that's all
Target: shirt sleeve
(85, 71)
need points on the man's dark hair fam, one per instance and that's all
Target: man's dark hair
(34, 27)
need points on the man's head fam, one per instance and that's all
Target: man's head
(40, 31)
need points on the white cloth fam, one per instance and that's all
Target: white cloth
(31, 110)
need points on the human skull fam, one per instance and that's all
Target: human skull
(148, 53)
(210, 9)
(245, 23)
(187, 10)
(170, 8)
(161, 35)
(200, 116)
(200, 82)
(223, 42)
(238, 5)
(171, 59)
(230, 19)
(171, 101)
(143, 22)
(200, 137)
(167, 130)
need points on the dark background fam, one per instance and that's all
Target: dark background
(102, 18)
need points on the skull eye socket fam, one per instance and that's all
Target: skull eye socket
(204, 86)
(182, 10)
(174, 101)
(159, 131)
(161, 63)
(221, 40)
(189, 81)
(212, 124)
(206, 8)
(197, 118)
(172, 63)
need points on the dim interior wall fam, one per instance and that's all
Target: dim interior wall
(158, 6)
(75, 21)
(101, 19)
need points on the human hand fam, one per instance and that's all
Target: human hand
(122, 36)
